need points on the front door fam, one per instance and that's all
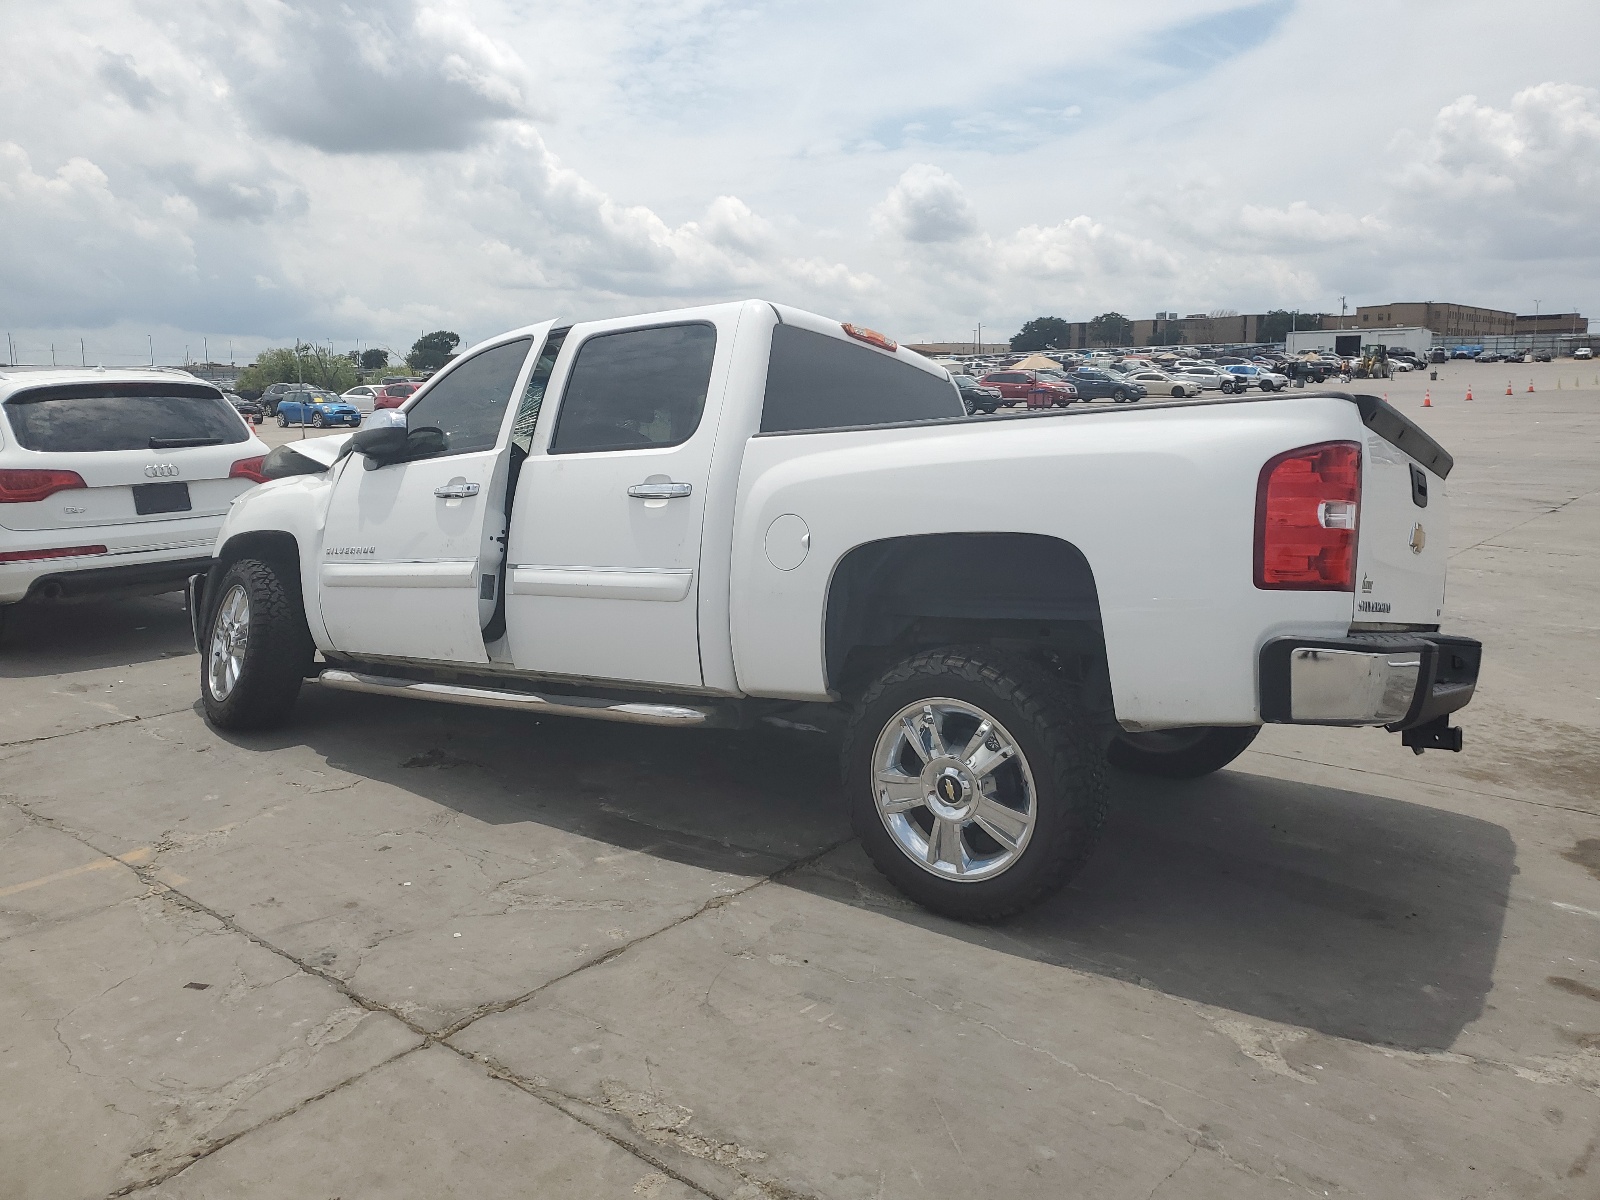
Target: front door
(412, 550)
(605, 532)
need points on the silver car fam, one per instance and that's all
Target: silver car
(1157, 381)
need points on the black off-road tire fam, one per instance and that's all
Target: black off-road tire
(277, 656)
(1060, 735)
(1191, 753)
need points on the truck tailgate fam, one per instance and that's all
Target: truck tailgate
(1404, 540)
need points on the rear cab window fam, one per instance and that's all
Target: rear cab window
(817, 382)
(95, 417)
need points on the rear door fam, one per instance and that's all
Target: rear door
(412, 550)
(605, 535)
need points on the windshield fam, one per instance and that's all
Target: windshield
(122, 416)
(965, 381)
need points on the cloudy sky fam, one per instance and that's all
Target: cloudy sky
(251, 171)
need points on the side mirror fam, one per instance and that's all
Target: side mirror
(380, 441)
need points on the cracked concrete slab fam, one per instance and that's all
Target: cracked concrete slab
(866, 1050)
(436, 890)
(143, 1033)
(427, 1126)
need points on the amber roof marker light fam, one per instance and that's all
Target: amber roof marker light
(870, 336)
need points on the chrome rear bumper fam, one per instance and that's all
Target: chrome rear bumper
(1398, 680)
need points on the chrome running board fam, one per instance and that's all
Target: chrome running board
(594, 708)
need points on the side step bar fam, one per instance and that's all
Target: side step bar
(594, 708)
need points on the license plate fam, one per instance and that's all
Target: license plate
(152, 498)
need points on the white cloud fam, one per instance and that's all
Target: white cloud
(277, 168)
(1518, 181)
(926, 205)
(396, 75)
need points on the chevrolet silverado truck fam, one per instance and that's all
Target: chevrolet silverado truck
(725, 515)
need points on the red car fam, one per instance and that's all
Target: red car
(392, 395)
(1039, 391)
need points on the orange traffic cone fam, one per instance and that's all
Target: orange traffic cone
(1427, 398)
(1508, 387)
(1530, 387)
(1469, 391)
(1386, 397)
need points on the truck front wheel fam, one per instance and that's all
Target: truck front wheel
(257, 648)
(1181, 753)
(976, 781)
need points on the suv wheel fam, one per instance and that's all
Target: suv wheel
(1119, 395)
(976, 781)
(257, 649)
(1180, 753)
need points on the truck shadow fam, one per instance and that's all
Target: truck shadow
(54, 639)
(1355, 915)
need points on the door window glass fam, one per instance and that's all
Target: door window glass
(468, 404)
(819, 382)
(636, 389)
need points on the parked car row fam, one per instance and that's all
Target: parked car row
(364, 398)
(1124, 380)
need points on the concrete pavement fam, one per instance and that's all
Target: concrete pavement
(408, 950)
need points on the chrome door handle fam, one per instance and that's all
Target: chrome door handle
(659, 491)
(456, 491)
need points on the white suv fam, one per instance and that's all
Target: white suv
(114, 482)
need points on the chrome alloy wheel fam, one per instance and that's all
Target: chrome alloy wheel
(230, 638)
(953, 789)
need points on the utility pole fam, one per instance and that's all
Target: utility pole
(52, 354)
(83, 352)
(205, 346)
(11, 350)
(151, 342)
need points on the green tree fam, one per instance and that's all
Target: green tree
(374, 359)
(1111, 329)
(432, 350)
(1279, 321)
(301, 364)
(1042, 333)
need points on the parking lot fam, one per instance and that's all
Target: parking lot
(410, 950)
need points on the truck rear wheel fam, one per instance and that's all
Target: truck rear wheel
(257, 648)
(1181, 753)
(976, 781)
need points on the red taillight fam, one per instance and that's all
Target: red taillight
(1307, 509)
(248, 468)
(54, 552)
(24, 487)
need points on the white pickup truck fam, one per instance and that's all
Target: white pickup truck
(721, 515)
